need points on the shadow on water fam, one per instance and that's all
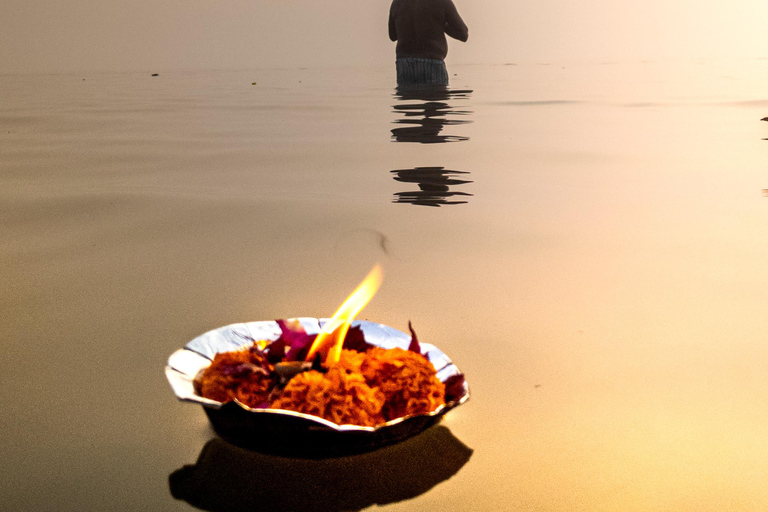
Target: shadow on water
(434, 184)
(427, 110)
(229, 478)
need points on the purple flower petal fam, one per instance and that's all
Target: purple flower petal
(454, 387)
(355, 340)
(414, 346)
(297, 339)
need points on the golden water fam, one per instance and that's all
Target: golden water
(603, 285)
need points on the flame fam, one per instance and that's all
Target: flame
(335, 330)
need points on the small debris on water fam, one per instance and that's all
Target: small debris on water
(155, 74)
(537, 385)
(253, 83)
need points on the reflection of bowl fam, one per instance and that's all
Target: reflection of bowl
(288, 431)
(226, 477)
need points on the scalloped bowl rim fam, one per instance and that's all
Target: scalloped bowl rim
(185, 363)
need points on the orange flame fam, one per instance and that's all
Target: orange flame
(335, 330)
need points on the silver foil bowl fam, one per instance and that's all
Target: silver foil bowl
(289, 432)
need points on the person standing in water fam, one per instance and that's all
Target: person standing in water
(419, 27)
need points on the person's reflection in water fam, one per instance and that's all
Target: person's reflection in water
(230, 478)
(425, 110)
(433, 182)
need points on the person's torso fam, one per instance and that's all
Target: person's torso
(420, 28)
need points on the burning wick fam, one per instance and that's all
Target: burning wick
(287, 370)
(331, 337)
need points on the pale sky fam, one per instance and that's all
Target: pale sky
(91, 35)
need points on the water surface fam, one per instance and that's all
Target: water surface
(587, 241)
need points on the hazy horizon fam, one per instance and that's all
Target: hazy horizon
(83, 35)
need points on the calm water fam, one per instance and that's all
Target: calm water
(588, 242)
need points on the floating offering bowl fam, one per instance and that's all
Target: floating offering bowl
(289, 432)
